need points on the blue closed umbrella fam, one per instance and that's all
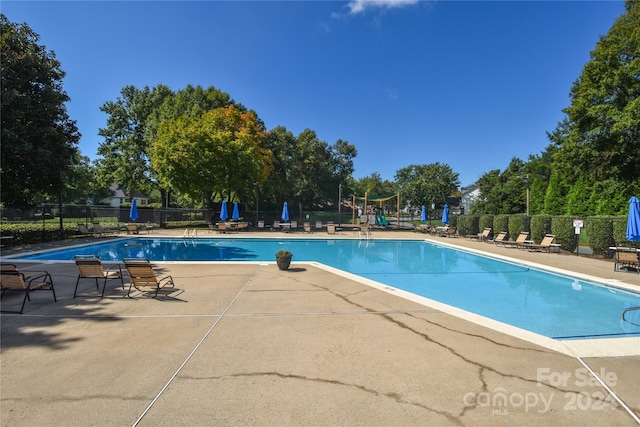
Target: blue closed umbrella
(224, 215)
(423, 216)
(633, 221)
(133, 212)
(285, 212)
(235, 215)
(445, 215)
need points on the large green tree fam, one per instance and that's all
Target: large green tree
(307, 171)
(374, 184)
(219, 153)
(39, 140)
(125, 150)
(503, 192)
(427, 184)
(601, 130)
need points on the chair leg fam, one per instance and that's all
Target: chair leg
(76, 289)
(24, 300)
(104, 286)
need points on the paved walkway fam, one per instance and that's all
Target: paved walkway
(247, 344)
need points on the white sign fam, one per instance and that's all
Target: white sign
(578, 223)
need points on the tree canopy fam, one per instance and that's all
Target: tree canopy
(601, 130)
(39, 140)
(218, 152)
(427, 184)
(592, 166)
(125, 150)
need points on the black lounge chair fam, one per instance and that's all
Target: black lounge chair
(12, 280)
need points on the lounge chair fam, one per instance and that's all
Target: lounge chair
(306, 227)
(331, 229)
(85, 231)
(519, 242)
(143, 278)
(90, 267)
(626, 258)
(451, 232)
(132, 228)
(222, 227)
(99, 229)
(481, 237)
(12, 280)
(545, 245)
(319, 225)
(261, 224)
(500, 239)
(276, 225)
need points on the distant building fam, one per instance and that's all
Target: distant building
(120, 196)
(468, 195)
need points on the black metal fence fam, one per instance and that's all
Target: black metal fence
(177, 217)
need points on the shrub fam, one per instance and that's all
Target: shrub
(500, 223)
(486, 221)
(517, 224)
(468, 225)
(30, 232)
(562, 227)
(186, 224)
(540, 225)
(620, 233)
(600, 235)
(463, 229)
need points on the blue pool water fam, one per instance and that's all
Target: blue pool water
(545, 303)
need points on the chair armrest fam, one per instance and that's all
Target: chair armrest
(168, 280)
(113, 267)
(37, 275)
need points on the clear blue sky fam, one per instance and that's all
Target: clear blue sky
(471, 84)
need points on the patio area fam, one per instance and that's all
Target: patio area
(248, 344)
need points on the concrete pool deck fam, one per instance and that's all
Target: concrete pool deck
(247, 344)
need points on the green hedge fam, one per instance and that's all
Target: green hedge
(517, 224)
(468, 225)
(562, 227)
(186, 224)
(500, 223)
(599, 233)
(486, 221)
(24, 233)
(620, 233)
(540, 225)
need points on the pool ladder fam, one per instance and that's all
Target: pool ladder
(186, 234)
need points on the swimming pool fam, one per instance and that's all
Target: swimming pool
(556, 306)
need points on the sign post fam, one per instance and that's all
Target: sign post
(577, 225)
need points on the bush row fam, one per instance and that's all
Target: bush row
(601, 232)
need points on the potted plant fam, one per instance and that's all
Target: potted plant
(283, 259)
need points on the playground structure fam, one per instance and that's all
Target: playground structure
(373, 211)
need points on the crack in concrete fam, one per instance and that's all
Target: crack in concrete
(51, 399)
(391, 395)
(481, 368)
(478, 336)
